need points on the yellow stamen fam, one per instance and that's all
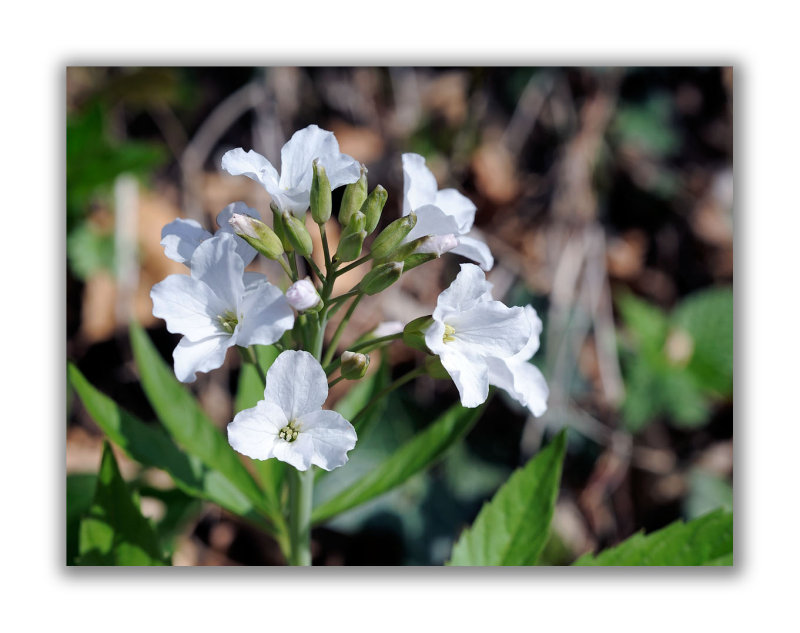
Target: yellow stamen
(449, 332)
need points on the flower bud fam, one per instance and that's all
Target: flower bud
(297, 234)
(354, 366)
(392, 236)
(381, 277)
(414, 333)
(357, 223)
(277, 226)
(320, 194)
(417, 259)
(373, 207)
(350, 246)
(257, 234)
(302, 295)
(404, 250)
(354, 195)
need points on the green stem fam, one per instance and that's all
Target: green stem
(249, 355)
(418, 371)
(364, 346)
(282, 261)
(335, 381)
(355, 264)
(301, 491)
(293, 265)
(315, 268)
(339, 330)
(325, 248)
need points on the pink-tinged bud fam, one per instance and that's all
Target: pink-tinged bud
(302, 295)
(243, 225)
(438, 244)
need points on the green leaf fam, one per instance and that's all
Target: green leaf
(186, 422)
(704, 541)
(114, 532)
(80, 490)
(513, 527)
(414, 456)
(361, 394)
(271, 472)
(646, 322)
(151, 446)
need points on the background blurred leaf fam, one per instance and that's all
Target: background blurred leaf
(707, 492)
(151, 446)
(351, 404)
(80, 490)
(648, 126)
(114, 532)
(180, 510)
(90, 251)
(414, 456)
(513, 527)
(183, 418)
(704, 541)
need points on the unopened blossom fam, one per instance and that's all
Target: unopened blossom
(445, 212)
(289, 423)
(469, 329)
(181, 237)
(291, 189)
(302, 295)
(217, 306)
(519, 378)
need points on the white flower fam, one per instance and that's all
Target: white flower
(516, 376)
(302, 295)
(181, 237)
(440, 212)
(292, 189)
(218, 306)
(469, 329)
(289, 423)
(438, 244)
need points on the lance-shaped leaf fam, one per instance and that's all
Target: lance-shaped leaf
(114, 532)
(423, 450)
(707, 540)
(513, 527)
(186, 422)
(151, 446)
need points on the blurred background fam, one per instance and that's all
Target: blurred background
(605, 195)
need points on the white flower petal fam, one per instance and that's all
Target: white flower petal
(299, 453)
(297, 383)
(217, 264)
(532, 346)
(252, 279)
(467, 290)
(522, 381)
(332, 437)
(431, 220)
(470, 375)
(245, 251)
(204, 355)
(475, 250)
(181, 237)
(302, 295)
(265, 315)
(419, 184)
(254, 432)
(491, 329)
(457, 205)
(237, 162)
(188, 306)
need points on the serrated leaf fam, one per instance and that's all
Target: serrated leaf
(151, 446)
(114, 532)
(423, 450)
(704, 541)
(513, 527)
(186, 422)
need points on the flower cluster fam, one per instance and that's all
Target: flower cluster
(218, 305)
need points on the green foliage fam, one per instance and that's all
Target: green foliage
(513, 527)
(114, 532)
(422, 451)
(704, 541)
(706, 492)
(188, 425)
(676, 365)
(648, 126)
(80, 490)
(151, 446)
(360, 394)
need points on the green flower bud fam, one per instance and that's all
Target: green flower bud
(257, 234)
(381, 277)
(403, 251)
(354, 366)
(277, 226)
(354, 195)
(350, 246)
(373, 207)
(392, 236)
(414, 333)
(417, 259)
(320, 194)
(297, 234)
(435, 369)
(357, 223)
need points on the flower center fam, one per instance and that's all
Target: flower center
(290, 431)
(449, 332)
(228, 321)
